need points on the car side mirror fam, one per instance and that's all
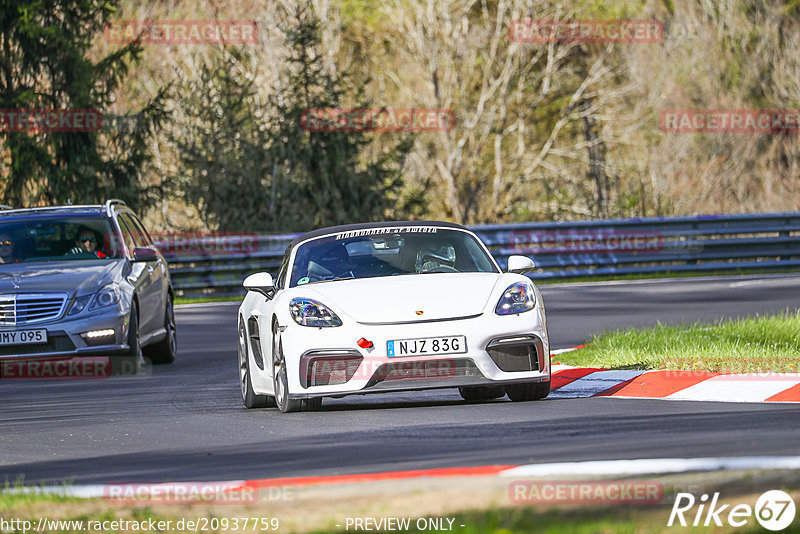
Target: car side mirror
(144, 254)
(520, 264)
(260, 282)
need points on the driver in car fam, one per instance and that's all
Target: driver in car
(6, 249)
(440, 258)
(87, 242)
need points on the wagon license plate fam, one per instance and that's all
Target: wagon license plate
(23, 337)
(426, 346)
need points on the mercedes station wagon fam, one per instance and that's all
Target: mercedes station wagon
(83, 281)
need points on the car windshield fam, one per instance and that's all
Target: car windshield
(389, 251)
(42, 240)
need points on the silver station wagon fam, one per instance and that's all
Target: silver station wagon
(83, 281)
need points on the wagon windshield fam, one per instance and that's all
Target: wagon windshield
(51, 239)
(389, 251)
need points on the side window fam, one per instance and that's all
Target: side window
(142, 231)
(284, 267)
(140, 238)
(127, 234)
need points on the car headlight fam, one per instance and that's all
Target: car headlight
(309, 312)
(79, 305)
(517, 298)
(107, 296)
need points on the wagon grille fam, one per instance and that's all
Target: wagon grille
(31, 308)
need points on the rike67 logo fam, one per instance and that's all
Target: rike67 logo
(774, 510)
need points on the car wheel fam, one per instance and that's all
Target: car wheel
(165, 350)
(132, 362)
(249, 397)
(529, 391)
(481, 393)
(280, 379)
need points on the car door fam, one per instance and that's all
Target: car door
(160, 274)
(151, 316)
(264, 312)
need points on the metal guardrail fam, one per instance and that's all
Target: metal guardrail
(561, 250)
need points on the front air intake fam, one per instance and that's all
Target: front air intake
(516, 354)
(328, 368)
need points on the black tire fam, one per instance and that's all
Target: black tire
(249, 398)
(280, 381)
(165, 350)
(481, 393)
(132, 362)
(528, 392)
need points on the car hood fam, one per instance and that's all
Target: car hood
(71, 277)
(395, 299)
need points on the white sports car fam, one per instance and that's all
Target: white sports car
(397, 306)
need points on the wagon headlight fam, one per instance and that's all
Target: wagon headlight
(107, 296)
(79, 305)
(309, 312)
(517, 298)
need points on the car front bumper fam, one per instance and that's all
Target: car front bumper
(358, 370)
(65, 339)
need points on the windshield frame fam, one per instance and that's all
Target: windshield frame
(384, 229)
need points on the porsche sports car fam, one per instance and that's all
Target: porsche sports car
(396, 306)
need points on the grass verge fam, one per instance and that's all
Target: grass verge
(751, 345)
(18, 495)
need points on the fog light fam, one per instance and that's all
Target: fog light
(99, 337)
(100, 333)
(364, 343)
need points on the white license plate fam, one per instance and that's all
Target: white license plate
(23, 337)
(426, 345)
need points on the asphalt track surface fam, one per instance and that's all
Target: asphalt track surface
(186, 422)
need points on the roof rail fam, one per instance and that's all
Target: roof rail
(112, 202)
(6, 207)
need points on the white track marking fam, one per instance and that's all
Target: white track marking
(593, 383)
(92, 491)
(736, 388)
(652, 466)
(562, 351)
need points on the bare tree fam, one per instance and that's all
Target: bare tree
(515, 102)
